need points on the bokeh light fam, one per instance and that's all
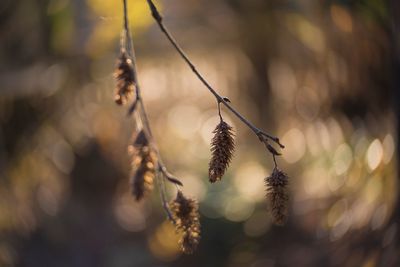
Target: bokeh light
(318, 74)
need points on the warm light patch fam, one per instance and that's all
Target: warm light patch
(109, 23)
(129, 214)
(295, 143)
(308, 33)
(238, 209)
(163, 243)
(194, 185)
(247, 181)
(374, 154)
(283, 80)
(342, 19)
(388, 146)
(185, 120)
(342, 159)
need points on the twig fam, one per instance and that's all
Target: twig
(127, 38)
(138, 100)
(161, 188)
(158, 18)
(219, 111)
(138, 103)
(169, 176)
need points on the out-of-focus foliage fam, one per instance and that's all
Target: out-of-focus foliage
(319, 74)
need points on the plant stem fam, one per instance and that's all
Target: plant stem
(144, 117)
(158, 18)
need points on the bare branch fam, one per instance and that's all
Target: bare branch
(158, 18)
(138, 106)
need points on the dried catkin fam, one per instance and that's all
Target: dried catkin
(187, 220)
(143, 164)
(124, 76)
(222, 148)
(277, 195)
(190, 240)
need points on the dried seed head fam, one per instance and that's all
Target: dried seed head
(124, 76)
(184, 211)
(277, 195)
(143, 162)
(190, 239)
(186, 216)
(222, 147)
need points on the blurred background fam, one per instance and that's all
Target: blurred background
(324, 76)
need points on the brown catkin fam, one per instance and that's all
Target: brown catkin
(143, 163)
(190, 240)
(125, 78)
(277, 195)
(185, 212)
(222, 148)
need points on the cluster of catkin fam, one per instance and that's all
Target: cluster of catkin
(148, 167)
(222, 148)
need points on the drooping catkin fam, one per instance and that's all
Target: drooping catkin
(190, 239)
(143, 164)
(187, 220)
(125, 78)
(222, 148)
(277, 195)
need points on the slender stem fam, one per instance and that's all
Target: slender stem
(143, 115)
(130, 49)
(275, 164)
(161, 188)
(156, 15)
(219, 111)
(138, 100)
(126, 24)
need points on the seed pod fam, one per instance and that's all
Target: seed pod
(222, 148)
(143, 164)
(190, 240)
(187, 220)
(184, 210)
(277, 195)
(125, 78)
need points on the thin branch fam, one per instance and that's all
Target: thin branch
(169, 176)
(138, 103)
(275, 164)
(158, 18)
(131, 51)
(161, 188)
(219, 111)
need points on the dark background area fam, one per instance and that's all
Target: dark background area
(321, 75)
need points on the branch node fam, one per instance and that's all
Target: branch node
(272, 150)
(226, 99)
